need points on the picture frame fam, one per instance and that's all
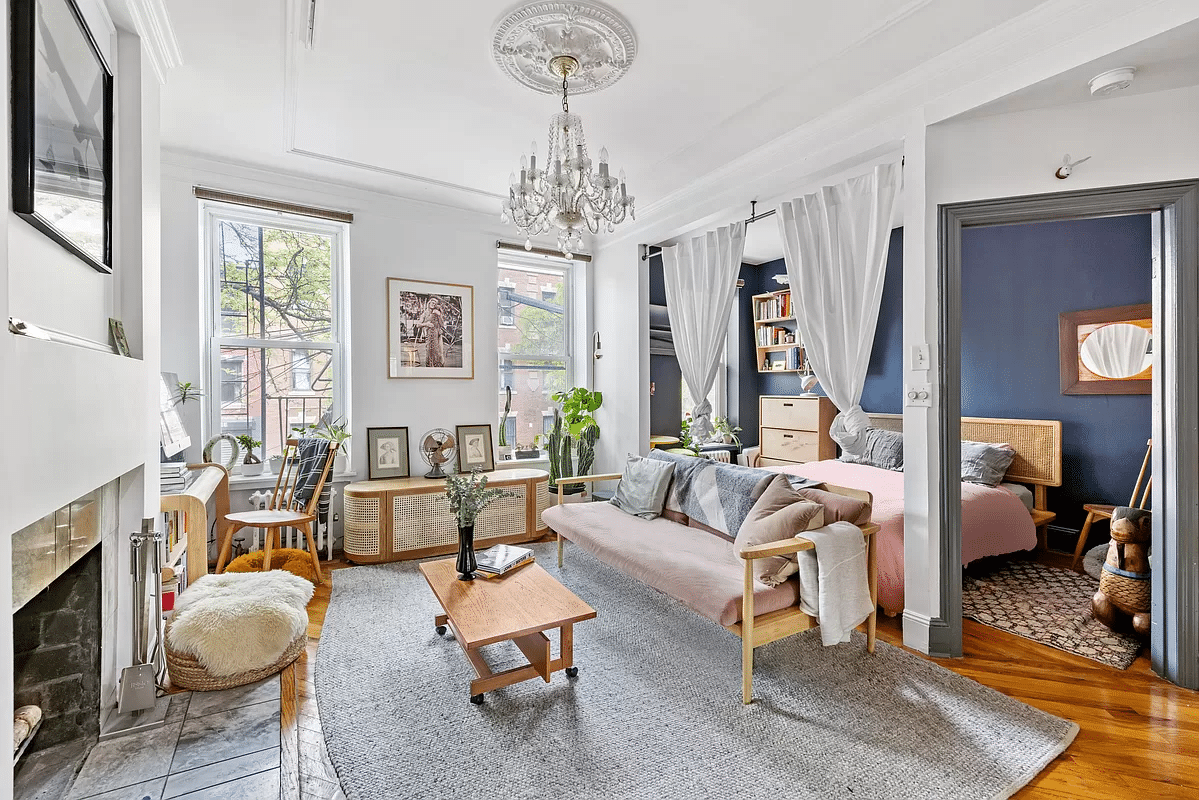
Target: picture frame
(387, 453)
(62, 117)
(1106, 350)
(430, 329)
(116, 330)
(475, 450)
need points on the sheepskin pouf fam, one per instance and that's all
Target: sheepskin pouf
(237, 628)
(297, 562)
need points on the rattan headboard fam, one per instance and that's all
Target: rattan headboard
(1038, 443)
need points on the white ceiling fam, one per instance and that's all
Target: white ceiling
(1167, 61)
(405, 97)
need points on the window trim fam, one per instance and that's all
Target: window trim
(210, 339)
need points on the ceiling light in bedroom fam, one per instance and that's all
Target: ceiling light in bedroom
(588, 46)
(1112, 81)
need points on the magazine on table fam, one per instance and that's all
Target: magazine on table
(501, 558)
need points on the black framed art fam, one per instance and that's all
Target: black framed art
(387, 453)
(62, 129)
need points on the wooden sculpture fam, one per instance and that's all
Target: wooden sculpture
(1124, 587)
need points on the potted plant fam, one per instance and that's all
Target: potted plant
(575, 432)
(724, 432)
(251, 464)
(468, 496)
(335, 430)
(276, 464)
(505, 449)
(527, 451)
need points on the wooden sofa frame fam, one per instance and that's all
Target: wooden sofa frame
(756, 630)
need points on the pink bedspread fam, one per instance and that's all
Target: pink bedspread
(994, 521)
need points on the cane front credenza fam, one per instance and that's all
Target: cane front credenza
(404, 518)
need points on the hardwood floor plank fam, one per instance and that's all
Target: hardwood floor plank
(289, 743)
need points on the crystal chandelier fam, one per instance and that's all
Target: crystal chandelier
(564, 193)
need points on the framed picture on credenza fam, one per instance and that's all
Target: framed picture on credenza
(62, 139)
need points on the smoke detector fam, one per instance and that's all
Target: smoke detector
(1112, 81)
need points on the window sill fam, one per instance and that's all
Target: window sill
(267, 480)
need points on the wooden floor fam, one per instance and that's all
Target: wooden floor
(1139, 734)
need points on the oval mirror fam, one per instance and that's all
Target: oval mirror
(1117, 351)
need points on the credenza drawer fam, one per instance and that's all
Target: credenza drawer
(790, 445)
(794, 413)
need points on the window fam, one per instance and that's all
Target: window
(534, 346)
(273, 332)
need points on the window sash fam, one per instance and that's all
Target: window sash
(211, 215)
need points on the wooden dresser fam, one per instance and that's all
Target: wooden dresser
(794, 430)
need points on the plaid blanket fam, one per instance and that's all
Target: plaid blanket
(313, 453)
(718, 495)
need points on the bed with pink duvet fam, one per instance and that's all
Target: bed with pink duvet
(995, 520)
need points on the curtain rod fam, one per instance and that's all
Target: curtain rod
(753, 217)
(540, 251)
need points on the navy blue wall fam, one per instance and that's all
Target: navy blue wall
(665, 406)
(1016, 279)
(883, 392)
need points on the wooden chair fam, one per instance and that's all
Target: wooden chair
(1096, 511)
(282, 512)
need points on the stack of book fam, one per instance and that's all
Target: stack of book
(174, 476)
(502, 558)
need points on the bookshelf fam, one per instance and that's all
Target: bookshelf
(776, 335)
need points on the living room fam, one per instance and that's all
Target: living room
(355, 159)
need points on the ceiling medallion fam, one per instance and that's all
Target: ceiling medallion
(554, 47)
(597, 37)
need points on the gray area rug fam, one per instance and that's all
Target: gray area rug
(655, 711)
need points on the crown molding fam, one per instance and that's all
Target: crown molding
(1017, 53)
(153, 24)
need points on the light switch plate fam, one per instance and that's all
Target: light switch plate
(920, 356)
(918, 395)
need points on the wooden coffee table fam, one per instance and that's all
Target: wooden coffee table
(518, 606)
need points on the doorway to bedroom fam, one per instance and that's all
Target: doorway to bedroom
(1172, 210)
(1057, 325)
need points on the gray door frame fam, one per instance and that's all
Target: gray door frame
(1174, 638)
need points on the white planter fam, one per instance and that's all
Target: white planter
(251, 469)
(339, 463)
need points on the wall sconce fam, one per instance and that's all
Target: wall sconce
(596, 347)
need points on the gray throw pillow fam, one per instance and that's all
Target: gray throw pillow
(780, 513)
(986, 463)
(884, 449)
(642, 488)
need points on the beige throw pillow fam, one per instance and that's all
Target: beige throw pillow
(780, 513)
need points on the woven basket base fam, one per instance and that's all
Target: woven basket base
(188, 673)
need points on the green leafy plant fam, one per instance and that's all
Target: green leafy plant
(722, 428)
(468, 496)
(335, 430)
(578, 405)
(184, 391)
(248, 443)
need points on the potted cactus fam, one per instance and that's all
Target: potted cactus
(571, 442)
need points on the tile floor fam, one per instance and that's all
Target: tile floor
(214, 746)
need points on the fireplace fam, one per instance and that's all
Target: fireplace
(56, 649)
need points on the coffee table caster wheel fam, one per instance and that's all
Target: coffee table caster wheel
(477, 699)
(572, 672)
(441, 630)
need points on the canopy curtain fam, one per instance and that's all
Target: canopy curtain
(701, 282)
(835, 245)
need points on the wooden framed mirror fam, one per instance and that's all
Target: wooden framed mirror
(1106, 350)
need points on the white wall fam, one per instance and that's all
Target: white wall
(76, 418)
(390, 237)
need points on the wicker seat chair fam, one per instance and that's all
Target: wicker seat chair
(307, 463)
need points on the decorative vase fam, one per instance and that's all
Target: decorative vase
(465, 565)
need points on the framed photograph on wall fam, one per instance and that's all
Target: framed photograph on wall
(386, 453)
(62, 129)
(474, 448)
(430, 329)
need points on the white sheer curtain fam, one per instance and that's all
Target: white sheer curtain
(701, 282)
(835, 244)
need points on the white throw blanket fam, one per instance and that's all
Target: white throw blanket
(833, 582)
